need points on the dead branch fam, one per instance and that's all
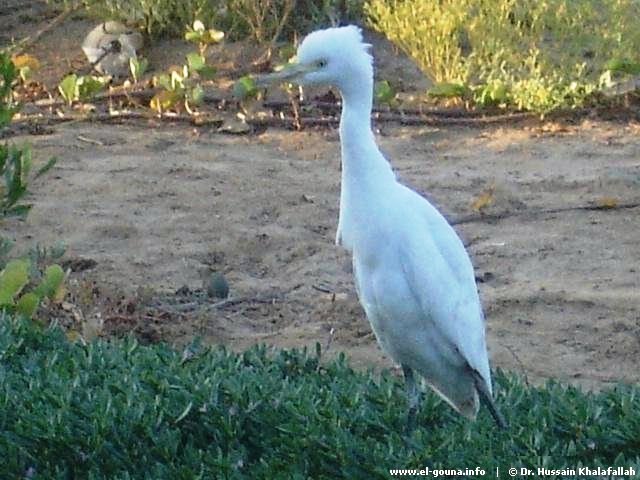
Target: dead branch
(49, 119)
(321, 288)
(336, 106)
(547, 211)
(266, 56)
(280, 122)
(200, 120)
(429, 120)
(330, 112)
(28, 42)
(523, 370)
(269, 299)
(183, 308)
(92, 141)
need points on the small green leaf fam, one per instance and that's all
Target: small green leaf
(196, 95)
(287, 52)
(88, 86)
(245, 87)
(623, 65)
(164, 80)
(494, 93)
(13, 278)
(384, 92)
(8, 71)
(6, 114)
(46, 167)
(184, 413)
(212, 36)
(164, 100)
(69, 88)
(53, 280)
(138, 67)
(447, 90)
(207, 72)
(25, 74)
(15, 176)
(192, 36)
(196, 61)
(17, 211)
(28, 304)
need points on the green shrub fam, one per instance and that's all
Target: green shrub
(8, 76)
(15, 162)
(156, 17)
(261, 20)
(16, 296)
(120, 410)
(535, 55)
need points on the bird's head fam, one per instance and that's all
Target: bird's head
(335, 56)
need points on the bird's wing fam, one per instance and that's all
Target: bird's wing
(440, 276)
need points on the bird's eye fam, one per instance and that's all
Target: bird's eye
(321, 63)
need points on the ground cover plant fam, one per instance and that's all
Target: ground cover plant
(261, 20)
(15, 161)
(24, 282)
(529, 54)
(119, 409)
(538, 56)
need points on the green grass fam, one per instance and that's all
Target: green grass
(528, 54)
(120, 410)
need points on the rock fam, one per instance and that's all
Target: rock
(217, 286)
(111, 45)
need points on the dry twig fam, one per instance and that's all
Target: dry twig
(545, 211)
(28, 42)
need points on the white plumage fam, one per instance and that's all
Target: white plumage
(413, 276)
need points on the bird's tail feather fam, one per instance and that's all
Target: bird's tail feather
(486, 398)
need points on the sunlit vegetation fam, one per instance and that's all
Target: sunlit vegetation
(529, 55)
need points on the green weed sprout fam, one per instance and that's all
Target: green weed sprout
(184, 85)
(15, 162)
(384, 93)
(245, 88)
(138, 67)
(8, 76)
(80, 88)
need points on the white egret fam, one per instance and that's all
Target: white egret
(412, 274)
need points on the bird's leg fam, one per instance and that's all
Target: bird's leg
(413, 396)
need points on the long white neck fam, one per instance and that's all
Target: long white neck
(361, 158)
(365, 171)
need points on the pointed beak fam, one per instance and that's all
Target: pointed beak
(290, 73)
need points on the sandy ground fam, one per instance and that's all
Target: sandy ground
(159, 207)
